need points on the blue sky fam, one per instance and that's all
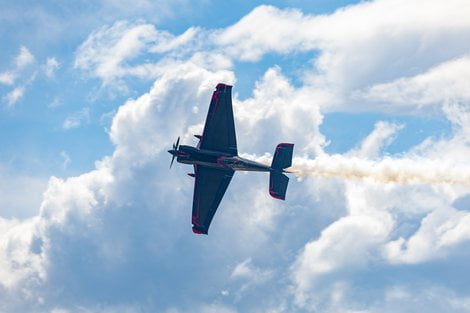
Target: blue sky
(374, 94)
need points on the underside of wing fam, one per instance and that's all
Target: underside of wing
(209, 189)
(219, 130)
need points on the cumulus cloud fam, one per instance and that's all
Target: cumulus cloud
(75, 210)
(368, 34)
(382, 135)
(13, 188)
(440, 84)
(105, 50)
(276, 104)
(116, 231)
(356, 51)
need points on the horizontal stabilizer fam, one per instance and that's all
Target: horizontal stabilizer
(278, 185)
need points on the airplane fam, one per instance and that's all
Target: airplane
(215, 159)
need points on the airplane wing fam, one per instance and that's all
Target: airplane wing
(219, 130)
(209, 188)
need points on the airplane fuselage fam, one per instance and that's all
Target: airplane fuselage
(214, 159)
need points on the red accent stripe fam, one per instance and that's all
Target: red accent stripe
(218, 161)
(195, 217)
(215, 97)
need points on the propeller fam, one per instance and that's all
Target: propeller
(174, 151)
(175, 145)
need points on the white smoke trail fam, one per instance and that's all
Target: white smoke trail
(386, 170)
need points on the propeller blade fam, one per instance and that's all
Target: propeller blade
(175, 150)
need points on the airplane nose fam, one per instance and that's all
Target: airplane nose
(172, 152)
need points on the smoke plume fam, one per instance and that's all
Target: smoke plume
(386, 170)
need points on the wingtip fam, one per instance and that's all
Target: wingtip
(276, 196)
(199, 231)
(221, 85)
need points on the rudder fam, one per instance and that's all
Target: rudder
(283, 156)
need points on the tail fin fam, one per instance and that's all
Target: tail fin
(283, 156)
(277, 181)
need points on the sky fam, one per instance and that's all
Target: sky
(375, 95)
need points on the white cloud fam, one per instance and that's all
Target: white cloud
(440, 84)
(396, 298)
(24, 58)
(105, 50)
(250, 276)
(66, 159)
(56, 102)
(440, 231)
(51, 66)
(14, 96)
(380, 137)
(276, 104)
(76, 209)
(13, 188)
(246, 270)
(368, 44)
(266, 29)
(215, 308)
(7, 78)
(124, 218)
(359, 45)
(76, 119)
(17, 262)
(166, 42)
(168, 100)
(21, 62)
(348, 243)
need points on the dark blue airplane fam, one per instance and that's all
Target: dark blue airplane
(215, 159)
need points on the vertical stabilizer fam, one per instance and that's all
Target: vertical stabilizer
(282, 156)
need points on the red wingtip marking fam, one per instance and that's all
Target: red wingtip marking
(198, 232)
(284, 144)
(222, 85)
(276, 196)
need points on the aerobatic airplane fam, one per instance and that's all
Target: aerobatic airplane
(215, 159)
